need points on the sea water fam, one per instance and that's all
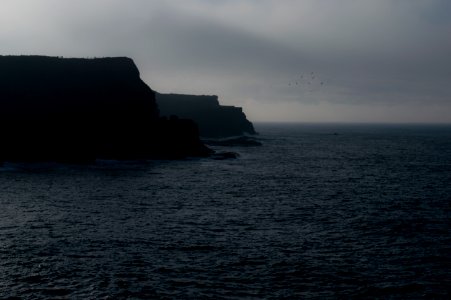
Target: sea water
(318, 211)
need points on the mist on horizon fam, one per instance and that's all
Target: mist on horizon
(292, 61)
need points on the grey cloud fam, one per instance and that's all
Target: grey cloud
(376, 53)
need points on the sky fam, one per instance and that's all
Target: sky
(282, 60)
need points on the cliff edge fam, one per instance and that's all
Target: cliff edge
(213, 119)
(77, 110)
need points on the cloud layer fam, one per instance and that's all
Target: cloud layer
(385, 60)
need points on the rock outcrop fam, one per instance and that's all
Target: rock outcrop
(77, 110)
(214, 120)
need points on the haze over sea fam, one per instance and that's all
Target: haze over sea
(318, 211)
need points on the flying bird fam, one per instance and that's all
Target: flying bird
(309, 82)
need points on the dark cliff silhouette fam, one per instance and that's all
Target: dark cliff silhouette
(77, 110)
(214, 120)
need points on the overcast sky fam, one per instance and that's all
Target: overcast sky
(284, 60)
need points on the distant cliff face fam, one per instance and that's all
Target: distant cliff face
(81, 109)
(214, 120)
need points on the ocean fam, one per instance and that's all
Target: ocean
(318, 211)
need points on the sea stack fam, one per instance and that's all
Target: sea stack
(78, 110)
(214, 120)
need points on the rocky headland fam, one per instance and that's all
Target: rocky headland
(79, 110)
(214, 120)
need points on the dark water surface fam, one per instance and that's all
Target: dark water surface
(365, 212)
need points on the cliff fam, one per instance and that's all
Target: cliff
(59, 109)
(214, 120)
